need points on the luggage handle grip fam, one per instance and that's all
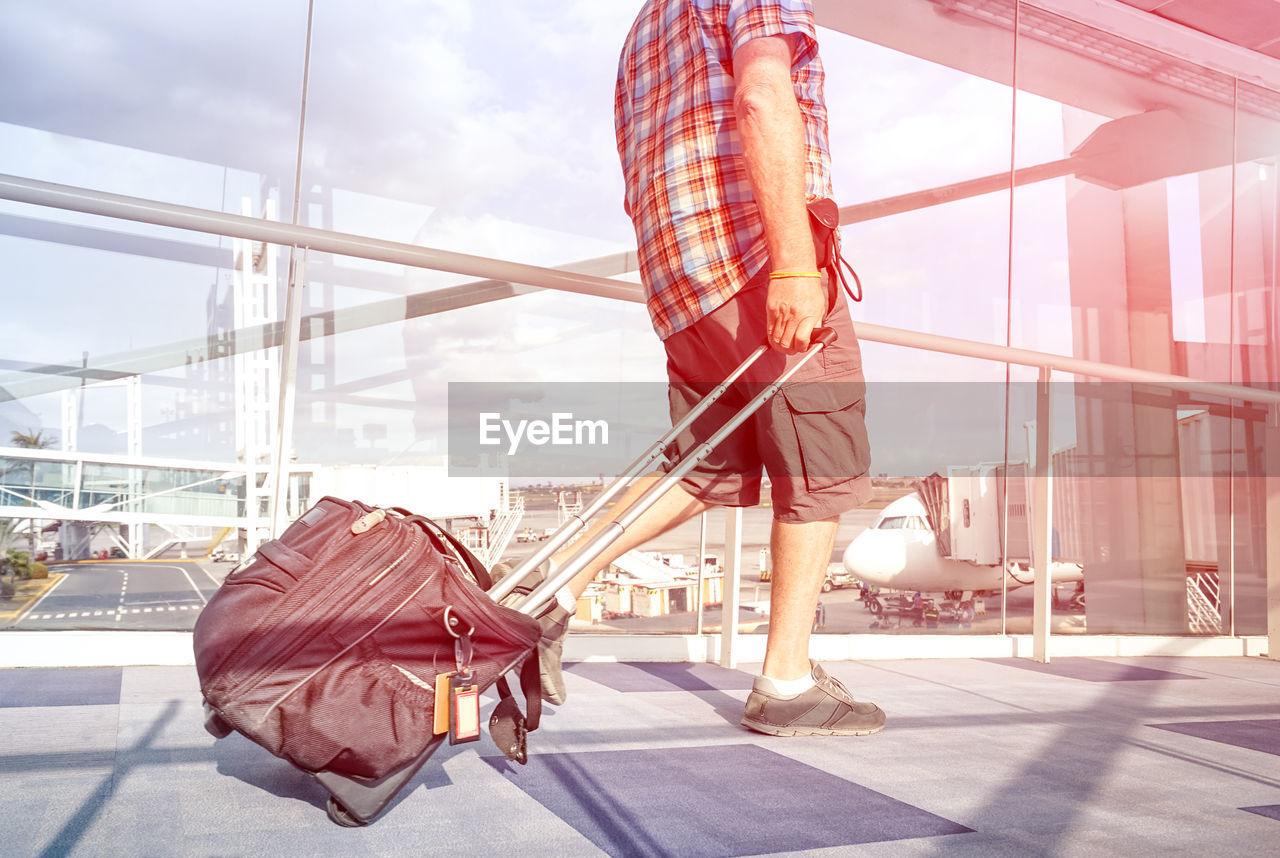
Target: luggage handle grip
(823, 337)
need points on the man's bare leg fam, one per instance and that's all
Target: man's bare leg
(793, 698)
(801, 553)
(675, 507)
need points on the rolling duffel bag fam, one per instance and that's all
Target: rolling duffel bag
(339, 645)
(329, 646)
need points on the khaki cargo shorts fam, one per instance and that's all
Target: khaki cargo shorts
(811, 438)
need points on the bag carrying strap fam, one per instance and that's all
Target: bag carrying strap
(825, 215)
(451, 545)
(508, 727)
(531, 686)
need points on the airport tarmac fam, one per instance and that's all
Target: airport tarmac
(120, 594)
(168, 595)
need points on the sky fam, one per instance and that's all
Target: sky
(482, 127)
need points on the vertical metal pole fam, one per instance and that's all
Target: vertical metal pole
(133, 404)
(731, 584)
(702, 565)
(77, 489)
(279, 474)
(69, 418)
(1271, 457)
(1042, 550)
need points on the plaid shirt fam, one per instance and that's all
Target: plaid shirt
(697, 225)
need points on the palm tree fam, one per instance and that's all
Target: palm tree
(32, 439)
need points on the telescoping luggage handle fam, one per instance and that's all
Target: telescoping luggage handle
(542, 594)
(558, 539)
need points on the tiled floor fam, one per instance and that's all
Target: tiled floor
(1160, 756)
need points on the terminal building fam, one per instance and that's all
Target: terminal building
(253, 257)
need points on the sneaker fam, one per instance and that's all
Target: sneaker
(827, 709)
(555, 627)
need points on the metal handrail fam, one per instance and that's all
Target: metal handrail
(142, 210)
(49, 454)
(1061, 363)
(71, 198)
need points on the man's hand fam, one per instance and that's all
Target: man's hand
(795, 306)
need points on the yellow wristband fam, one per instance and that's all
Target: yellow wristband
(779, 275)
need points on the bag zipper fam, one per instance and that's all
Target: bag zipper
(269, 632)
(498, 630)
(318, 625)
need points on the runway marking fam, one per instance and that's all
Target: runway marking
(193, 584)
(124, 587)
(209, 575)
(74, 615)
(26, 612)
(121, 609)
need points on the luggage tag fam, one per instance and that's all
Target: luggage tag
(464, 709)
(463, 695)
(442, 702)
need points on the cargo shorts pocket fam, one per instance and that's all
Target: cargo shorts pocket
(831, 443)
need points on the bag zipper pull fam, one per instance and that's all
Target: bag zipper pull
(368, 521)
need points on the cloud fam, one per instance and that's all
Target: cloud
(489, 107)
(210, 84)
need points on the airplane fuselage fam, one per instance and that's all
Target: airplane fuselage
(900, 552)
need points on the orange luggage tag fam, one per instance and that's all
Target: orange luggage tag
(442, 702)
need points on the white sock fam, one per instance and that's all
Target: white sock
(783, 687)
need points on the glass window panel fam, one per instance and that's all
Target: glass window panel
(123, 342)
(1142, 211)
(1251, 338)
(1126, 258)
(921, 158)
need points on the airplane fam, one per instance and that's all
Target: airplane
(899, 552)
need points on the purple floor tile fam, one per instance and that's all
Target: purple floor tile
(60, 686)
(711, 802)
(1256, 735)
(662, 676)
(1092, 670)
(1271, 811)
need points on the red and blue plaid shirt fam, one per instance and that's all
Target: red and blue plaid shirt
(699, 232)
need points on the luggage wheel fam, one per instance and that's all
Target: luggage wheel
(215, 723)
(341, 816)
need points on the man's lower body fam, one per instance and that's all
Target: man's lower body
(811, 440)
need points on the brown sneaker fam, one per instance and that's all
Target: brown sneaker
(827, 709)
